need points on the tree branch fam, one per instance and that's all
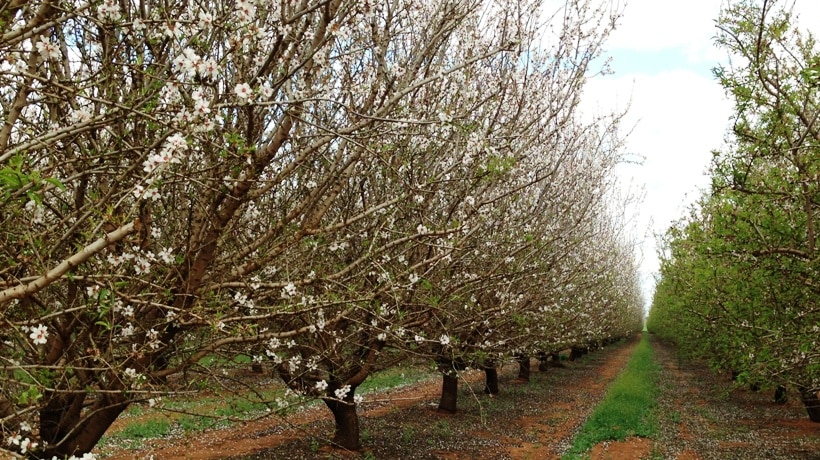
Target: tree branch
(57, 272)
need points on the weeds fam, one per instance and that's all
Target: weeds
(219, 412)
(627, 409)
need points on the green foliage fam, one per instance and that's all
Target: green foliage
(627, 409)
(736, 285)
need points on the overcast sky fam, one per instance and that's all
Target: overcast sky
(662, 55)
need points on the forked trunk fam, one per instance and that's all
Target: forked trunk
(812, 403)
(346, 434)
(491, 381)
(69, 430)
(523, 367)
(449, 393)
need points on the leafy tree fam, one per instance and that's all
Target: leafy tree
(743, 267)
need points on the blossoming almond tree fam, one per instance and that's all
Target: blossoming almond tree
(181, 180)
(142, 144)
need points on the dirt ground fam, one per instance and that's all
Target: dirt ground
(537, 419)
(700, 413)
(705, 416)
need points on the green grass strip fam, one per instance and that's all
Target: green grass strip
(627, 409)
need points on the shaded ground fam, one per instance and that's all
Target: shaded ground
(704, 416)
(534, 420)
(701, 416)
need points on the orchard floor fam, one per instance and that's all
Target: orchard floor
(701, 416)
(704, 416)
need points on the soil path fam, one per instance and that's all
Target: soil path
(704, 416)
(535, 419)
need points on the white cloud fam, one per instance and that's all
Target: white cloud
(679, 117)
(662, 51)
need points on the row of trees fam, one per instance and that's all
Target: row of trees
(329, 187)
(738, 282)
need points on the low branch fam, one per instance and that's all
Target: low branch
(57, 272)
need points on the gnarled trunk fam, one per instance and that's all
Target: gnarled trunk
(523, 367)
(812, 403)
(346, 434)
(491, 379)
(62, 421)
(449, 393)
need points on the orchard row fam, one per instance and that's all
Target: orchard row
(739, 281)
(327, 187)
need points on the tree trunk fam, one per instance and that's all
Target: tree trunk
(543, 364)
(780, 395)
(491, 382)
(555, 360)
(577, 352)
(449, 393)
(77, 434)
(754, 386)
(346, 435)
(812, 403)
(523, 368)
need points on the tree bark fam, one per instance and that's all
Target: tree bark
(491, 381)
(576, 353)
(780, 395)
(543, 364)
(523, 367)
(449, 393)
(346, 435)
(78, 436)
(812, 403)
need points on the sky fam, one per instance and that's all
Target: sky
(662, 54)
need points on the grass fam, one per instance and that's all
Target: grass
(628, 407)
(219, 411)
(133, 435)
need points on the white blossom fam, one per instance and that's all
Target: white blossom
(39, 334)
(26, 445)
(109, 10)
(243, 91)
(342, 392)
(47, 49)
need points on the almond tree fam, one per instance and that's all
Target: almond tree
(186, 179)
(439, 185)
(740, 269)
(160, 160)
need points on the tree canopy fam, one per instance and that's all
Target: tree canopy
(738, 282)
(327, 187)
